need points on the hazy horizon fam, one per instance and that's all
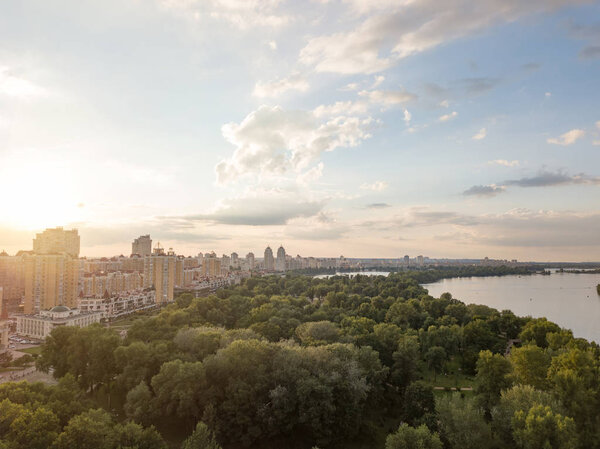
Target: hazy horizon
(333, 127)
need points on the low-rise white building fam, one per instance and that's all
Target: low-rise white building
(40, 325)
(120, 304)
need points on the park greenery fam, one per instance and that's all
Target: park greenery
(301, 362)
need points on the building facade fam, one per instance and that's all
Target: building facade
(280, 262)
(57, 241)
(121, 304)
(50, 280)
(160, 273)
(40, 325)
(142, 246)
(269, 261)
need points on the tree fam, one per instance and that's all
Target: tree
(575, 378)
(419, 402)
(139, 404)
(34, 429)
(201, 438)
(435, 358)
(318, 332)
(132, 435)
(537, 329)
(519, 397)
(90, 430)
(493, 376)
(407, 437)
(530, 366)
(461, 423)
(540, 428)
(406, 359)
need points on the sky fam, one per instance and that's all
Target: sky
(334, 127)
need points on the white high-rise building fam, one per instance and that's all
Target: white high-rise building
(280, 262)
(250, 261)
(269, 262)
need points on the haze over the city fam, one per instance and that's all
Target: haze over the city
(354, 127)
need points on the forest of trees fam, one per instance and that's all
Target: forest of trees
(299, 362)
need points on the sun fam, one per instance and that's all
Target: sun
(37, 194)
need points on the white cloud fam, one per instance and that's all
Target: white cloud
(568, 138)
(349, 87)
(410, 27)
(310, 176)
(504, 163)
(272, 141)
(407, 117)
(259, 207)
(598, 124)
(387, 97)
(548, 94)
(273, 45)
(274, 88)
(446, 117)
(240, 13)
(342, 108)
(445, 104)
(18, 87)
(377, 186)
(480, 135)
(378, 80)
(596, 142)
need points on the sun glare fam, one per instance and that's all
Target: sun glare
(37, 195)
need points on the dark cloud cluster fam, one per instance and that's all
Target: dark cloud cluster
(543, 178)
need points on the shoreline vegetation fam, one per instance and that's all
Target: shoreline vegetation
(301, 362)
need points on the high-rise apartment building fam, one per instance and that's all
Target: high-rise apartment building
(57, 241)
(235, 261)
(142, 246)
(269, 261)
(160, 272)
(280, 262)
(50, 280)
(12, 280)
(211, 265)
(250, 261)
(406, 261)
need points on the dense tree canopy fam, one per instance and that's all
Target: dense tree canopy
(299, 362)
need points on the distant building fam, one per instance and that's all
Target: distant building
(97, 285)
(269, 261)
(120, 304)
(160, 272)
(142, 246)
(250, 261)
(50, 280)
(57, 241)
(406, 261)
(3, 336)
(12, 281)
(40, 325)
(420, 261)
(235, 261)
(280, 262)
(211, 265)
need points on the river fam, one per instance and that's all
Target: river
(570, 300)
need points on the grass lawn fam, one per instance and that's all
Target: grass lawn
(451, 377)
(36, 350)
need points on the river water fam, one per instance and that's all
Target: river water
(570, 300)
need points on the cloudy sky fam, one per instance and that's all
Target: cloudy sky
(355, 127)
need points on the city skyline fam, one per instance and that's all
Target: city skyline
(368, 129)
